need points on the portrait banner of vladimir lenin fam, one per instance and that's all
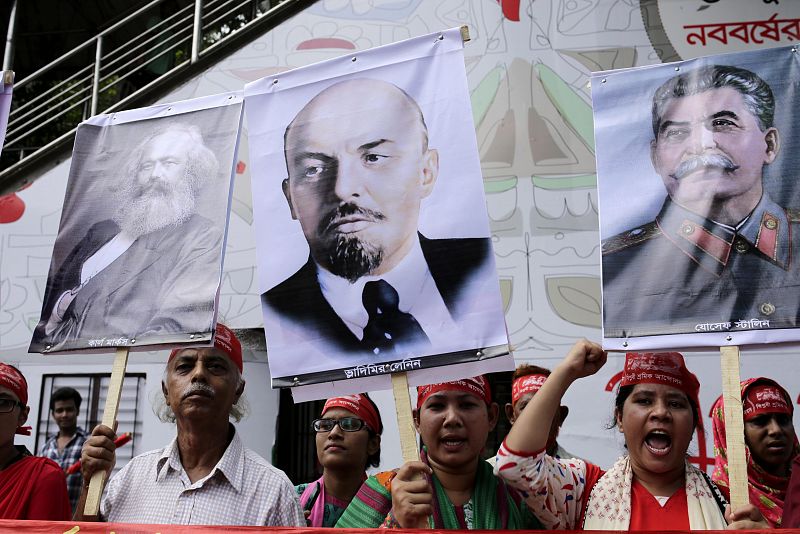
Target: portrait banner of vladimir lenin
(697, 166)
(137, 261)
(372, 231)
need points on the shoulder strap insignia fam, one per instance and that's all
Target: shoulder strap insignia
(793, 215)
(630, 238)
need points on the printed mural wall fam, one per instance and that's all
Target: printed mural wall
(528, 65)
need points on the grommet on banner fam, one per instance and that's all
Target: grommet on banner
(728, 338)
(191, 336)
(353, 59)
(464, 33)
(624, 343)
(275, 82)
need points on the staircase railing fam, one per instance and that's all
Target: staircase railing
(115, 67)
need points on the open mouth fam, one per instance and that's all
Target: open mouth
(453, 443)
(658, 442)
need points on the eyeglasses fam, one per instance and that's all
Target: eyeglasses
(7, 405)
(348, 424)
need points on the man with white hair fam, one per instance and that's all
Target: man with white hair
(205, 476)
(142, 272)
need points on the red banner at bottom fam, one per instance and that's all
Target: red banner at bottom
(64, 527)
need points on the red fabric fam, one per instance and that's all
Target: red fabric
(526, 384)
(361, 406)
(34, 488)
(765, 397)
(667, 368)
(791, 506)
(767, 492)
(59, 527)
(226, 341)
(647, 514)
(11, 378)
(477, 385)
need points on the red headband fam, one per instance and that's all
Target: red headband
(359, 405)
(526, 384)
(667, 368)
(476, 385)
(226, 341)
(13, 380)
(765, 396)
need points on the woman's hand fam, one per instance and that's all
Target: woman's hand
(585, 358)
(746, 517)
(412, 496)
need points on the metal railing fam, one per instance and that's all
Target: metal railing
(112, 69)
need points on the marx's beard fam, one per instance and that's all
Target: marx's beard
(146, 209)
(348, 256)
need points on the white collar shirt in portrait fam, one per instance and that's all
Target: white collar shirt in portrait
(242, 489)
(415, 286)
(105, 256)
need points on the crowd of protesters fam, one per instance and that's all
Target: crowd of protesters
(207, 476)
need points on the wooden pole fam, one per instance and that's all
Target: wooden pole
(405, 423)
(98, 481)
(734, 426)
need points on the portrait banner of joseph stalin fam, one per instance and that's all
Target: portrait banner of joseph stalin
(374, 288)
(147, 270)
(721, 254)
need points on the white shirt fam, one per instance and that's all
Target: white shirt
(413, 282)
(105, 256)
(242, 489)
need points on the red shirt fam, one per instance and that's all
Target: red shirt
(791, 505)
(34, 488)
(648, 514)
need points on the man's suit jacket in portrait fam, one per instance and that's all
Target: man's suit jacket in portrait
(162, 284)
(682, 273)
(454, 265)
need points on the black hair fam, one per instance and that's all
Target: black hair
(756, 93)
(65, 394)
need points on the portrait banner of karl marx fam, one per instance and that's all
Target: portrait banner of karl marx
(699, 203)
(372, 231)
(137, 261)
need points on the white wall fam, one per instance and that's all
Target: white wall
(542, 203)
